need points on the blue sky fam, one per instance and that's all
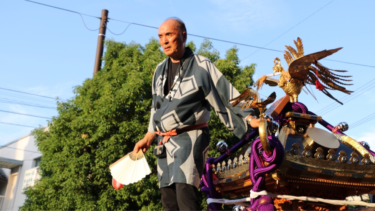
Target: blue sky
(48, 52)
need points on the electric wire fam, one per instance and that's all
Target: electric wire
(8, 123)
(60, 8)
(43, 117)
(121, 32)
(20, 149)
(5, 100)
(344, 100)
(347, 99)
(348, 96)
(200, 36)
(288, 30)
(362, 121)
(241, 44)
(194, 35)
(338, 105)
(12, 90)
(63, 9)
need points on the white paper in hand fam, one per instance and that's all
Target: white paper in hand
(130, 169)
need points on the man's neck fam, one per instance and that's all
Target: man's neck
(178, 58)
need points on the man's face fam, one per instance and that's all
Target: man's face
(171, 39)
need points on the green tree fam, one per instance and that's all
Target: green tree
(107, 116)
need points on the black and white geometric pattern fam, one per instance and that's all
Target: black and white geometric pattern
(200, 88)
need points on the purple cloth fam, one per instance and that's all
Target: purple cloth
(258, 170)
(206, 184)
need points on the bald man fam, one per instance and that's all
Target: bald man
(184, 89)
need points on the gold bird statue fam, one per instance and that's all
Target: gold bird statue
(305, 69)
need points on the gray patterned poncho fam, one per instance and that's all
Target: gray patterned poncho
(198, 87)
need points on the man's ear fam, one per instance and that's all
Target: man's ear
(184, 35)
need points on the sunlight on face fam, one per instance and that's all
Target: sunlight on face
(171, 39)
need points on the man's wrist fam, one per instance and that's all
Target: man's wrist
(249, 118)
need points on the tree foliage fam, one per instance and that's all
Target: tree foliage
(102, 123)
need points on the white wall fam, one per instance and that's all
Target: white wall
(25, 150)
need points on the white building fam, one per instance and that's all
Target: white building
(18, 164)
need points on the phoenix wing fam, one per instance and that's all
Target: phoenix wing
(308, 70)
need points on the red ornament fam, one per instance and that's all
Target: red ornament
(116, 184)
(318, 85)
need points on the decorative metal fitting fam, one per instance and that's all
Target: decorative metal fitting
(366, 159)
(246, 158)
(238, 208)
(295, 149)
(307, 152)
(240, 160)
(343, 158)
(301, 130)
(331, 155)
(223, 168)
(218, 167)
(354, 158)
(365, 144)
(235, 162)
(229, 164)
(343, 126)
(319, 153)
(221, 146)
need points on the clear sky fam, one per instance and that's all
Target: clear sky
(48, 52)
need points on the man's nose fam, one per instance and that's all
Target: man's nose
(164, 40)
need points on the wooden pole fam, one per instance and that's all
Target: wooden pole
(101, 37)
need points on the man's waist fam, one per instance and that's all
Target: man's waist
(175, 132)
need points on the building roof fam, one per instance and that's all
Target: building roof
(9, 163)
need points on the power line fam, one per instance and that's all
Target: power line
(344, 98)
(7, 123)
(59, 8)
(347, 99)
(194, 35)
(12, 90)
(20, 149)
(5, 100)
(289, 29)
(363, 65)
(24, 114)
(363, 121)
(236, 43)
(121, 32)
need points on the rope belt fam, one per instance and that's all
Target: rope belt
(167, 135)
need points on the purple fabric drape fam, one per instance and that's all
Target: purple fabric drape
(258, 170)
(206, 184)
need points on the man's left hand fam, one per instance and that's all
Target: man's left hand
(254, 123)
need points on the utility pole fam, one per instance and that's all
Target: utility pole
(101, 36)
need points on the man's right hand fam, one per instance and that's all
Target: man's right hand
(144, 143)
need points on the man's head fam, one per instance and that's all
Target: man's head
(172, 38)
